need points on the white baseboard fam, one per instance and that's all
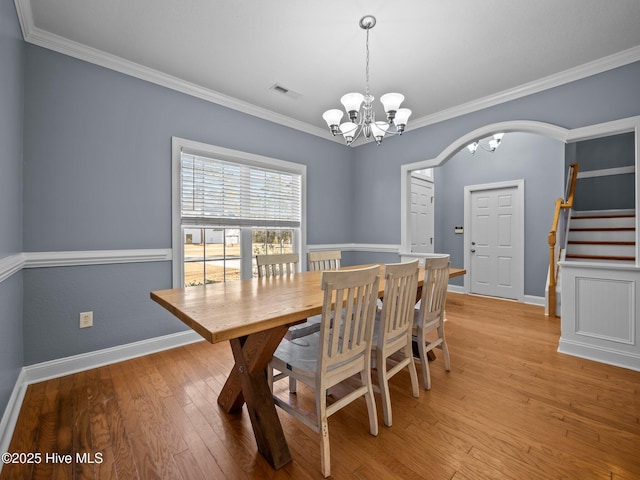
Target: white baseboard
(528, 299)
(10, 416)
(86, 361)
(533, 300)
(77, 363)
(600, 354)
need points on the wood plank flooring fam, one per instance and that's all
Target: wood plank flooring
(511, 408)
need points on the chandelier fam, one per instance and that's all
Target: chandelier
(362, 119)
(489, 146)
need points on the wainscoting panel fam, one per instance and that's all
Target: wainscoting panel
(605, 309)
(599, 313)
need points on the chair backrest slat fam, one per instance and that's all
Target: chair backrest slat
(327, 260)
(277, 265)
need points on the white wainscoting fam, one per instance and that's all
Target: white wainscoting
(600, 313)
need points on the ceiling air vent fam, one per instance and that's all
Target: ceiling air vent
(287, 92)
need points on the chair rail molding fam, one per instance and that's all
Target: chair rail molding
(95, 257)
(356, 247)
(14, 263)
(10, 265)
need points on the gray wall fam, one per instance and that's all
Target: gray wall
(609, 192)
(11, 96)
(97, 175)
(536, 159)
(604, 97)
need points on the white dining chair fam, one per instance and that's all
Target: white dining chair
(392, 345)
(281, 265)
(428, 328)
(326, 260)
(340, 351)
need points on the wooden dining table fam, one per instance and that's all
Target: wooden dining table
(253, 315)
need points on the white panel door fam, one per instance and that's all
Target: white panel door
(421, 215)
(495, 247)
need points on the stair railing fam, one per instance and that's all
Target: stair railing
(562, 208)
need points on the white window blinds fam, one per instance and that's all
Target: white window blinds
(220, 192)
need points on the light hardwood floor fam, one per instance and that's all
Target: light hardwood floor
(511, 408)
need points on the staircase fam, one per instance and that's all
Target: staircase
(602, 236)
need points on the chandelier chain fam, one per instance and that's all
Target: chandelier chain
(367, 65)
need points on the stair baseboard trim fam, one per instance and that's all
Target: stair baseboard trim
(600, 354)
(621, 212)
(595, 242)
(606, 172)
(603, 229)
(603, 265)
(604, 258)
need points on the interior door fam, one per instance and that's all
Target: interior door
(496, 247)
(422, 208)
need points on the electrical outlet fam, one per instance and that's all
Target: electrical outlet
(86, 319)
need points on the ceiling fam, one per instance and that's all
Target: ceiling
(448, 57)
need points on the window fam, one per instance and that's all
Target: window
(229, 206)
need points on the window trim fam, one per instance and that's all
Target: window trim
(179, 145)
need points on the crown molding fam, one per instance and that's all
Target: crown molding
(44, 39)
(601, 65)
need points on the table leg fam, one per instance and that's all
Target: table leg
(247, 382)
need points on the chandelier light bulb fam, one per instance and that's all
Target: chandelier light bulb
(348, 130)
(401, 119)
(391, 103)
(378, 130)
(333, 117)
(352, 103)
(489, 144)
